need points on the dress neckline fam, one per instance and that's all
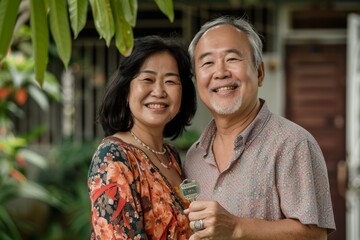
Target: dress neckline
(173, 189)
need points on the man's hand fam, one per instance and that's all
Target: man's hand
(217, 222)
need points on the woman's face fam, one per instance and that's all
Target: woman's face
(155, 92)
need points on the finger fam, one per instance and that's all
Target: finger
(198, 205)
(193, 237)
(193, 216)
(199, 235)
(196, 210)
(186, 211)
(198, 225)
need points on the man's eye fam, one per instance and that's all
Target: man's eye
(206, 63)
(233, 59)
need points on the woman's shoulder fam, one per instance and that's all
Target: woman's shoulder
(112, 141)
(112, 146)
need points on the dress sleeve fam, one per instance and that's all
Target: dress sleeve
(303, 186)
(116, 212)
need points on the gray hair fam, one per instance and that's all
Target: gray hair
(239, 23)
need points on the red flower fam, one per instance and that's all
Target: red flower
(20, 160)
(17, 175)
(4, 92)
(21, 96)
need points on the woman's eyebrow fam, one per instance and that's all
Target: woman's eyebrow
(154, 73)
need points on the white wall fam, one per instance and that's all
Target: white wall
(273, 88)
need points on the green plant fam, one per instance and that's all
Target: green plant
(112, 18)
(186, 139)
(16, 87)
(14, 158)
(66, 178)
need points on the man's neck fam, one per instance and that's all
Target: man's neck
(232, 125)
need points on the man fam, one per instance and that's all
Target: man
(260, 175)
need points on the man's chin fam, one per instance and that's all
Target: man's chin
(225, 109)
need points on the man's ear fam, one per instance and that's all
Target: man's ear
(261, 74)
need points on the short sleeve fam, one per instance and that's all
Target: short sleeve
(113, 194)
(302, 182)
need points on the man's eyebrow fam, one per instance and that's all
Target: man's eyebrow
(202, 56)
(231, 50)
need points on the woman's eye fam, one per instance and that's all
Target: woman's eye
(172, 81)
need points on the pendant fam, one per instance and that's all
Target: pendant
(190, 189)
(169, 166)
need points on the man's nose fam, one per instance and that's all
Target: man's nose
(221, 70)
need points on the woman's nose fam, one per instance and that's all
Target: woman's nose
(159, 90)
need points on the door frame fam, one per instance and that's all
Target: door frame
(353, 127)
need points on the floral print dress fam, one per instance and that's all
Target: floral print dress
(130, 198)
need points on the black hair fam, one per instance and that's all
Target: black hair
(114, 113)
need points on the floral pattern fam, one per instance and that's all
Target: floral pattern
(130, 198)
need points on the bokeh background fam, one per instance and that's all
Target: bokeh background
(49, 133)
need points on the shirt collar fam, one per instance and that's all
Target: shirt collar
(244, 138)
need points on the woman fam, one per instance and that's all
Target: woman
(134, 176)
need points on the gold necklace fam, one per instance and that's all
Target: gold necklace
(147, 146)
(167, 166)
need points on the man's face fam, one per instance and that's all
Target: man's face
(226, 77)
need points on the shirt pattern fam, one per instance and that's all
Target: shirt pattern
(130, 198)
(278, 171)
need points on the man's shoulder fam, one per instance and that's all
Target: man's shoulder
(282, 122)
(281, 125)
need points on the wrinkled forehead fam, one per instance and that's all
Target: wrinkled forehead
(220, 32)
(221, 37)
(224, 27)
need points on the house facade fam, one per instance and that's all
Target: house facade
(311, 55)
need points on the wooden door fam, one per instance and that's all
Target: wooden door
(315, 99)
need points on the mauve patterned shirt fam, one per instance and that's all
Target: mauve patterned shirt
(277, 171)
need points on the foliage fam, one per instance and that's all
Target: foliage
(17, 86)
(186, 139)
(111, 18)
(66, 178)
(23, 61)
